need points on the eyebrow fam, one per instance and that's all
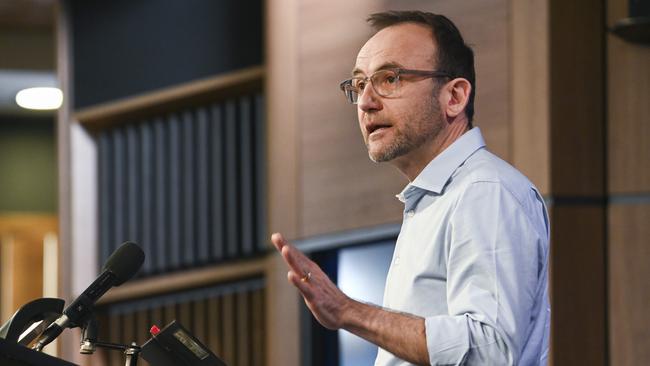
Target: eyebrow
(388, 65)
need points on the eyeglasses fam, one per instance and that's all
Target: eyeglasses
(384, 82)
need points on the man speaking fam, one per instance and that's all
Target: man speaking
(467, 283)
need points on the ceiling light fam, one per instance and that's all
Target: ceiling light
(40, 98)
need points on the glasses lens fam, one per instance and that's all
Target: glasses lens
(385, 82)
(348, 88)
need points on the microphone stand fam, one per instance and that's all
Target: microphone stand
(89, 344)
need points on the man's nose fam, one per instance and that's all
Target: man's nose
(369, 100)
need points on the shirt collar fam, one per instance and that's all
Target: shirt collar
(436, 174)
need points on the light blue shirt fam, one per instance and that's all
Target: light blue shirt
(472, 259)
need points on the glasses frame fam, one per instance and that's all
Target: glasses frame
(346, 85)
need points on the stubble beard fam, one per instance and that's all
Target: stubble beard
(417, 131)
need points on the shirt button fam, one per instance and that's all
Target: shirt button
(410, 213)
(396, 260)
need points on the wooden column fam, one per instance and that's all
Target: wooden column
(628, 141)
(559, 142)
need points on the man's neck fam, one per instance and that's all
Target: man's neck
(412, 164)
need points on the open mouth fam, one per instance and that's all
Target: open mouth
(376, 128)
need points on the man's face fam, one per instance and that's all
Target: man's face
(395, 126)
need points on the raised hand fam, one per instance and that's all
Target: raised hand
(323, 298)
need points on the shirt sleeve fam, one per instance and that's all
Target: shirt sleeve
(493, 278)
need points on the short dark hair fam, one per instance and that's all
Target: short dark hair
(454, 56)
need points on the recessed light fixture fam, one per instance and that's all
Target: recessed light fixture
(41, 98)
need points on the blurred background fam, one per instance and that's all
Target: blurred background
(197, 128)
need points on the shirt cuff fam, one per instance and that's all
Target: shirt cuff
(447, 339)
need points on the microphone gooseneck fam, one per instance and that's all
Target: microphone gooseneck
(119, 268)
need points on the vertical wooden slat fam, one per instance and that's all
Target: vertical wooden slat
(187, 245)
(257, 331)
(245, 153)
(214, 326)
(260, 175)
(217, 177)
(200, 320)
(146, 193)
(157, 316)
(185, 313)
(229, 330)
(169, 313)
(161, 206)
(119, 191)
(175, 194)
(243, 343)
(133, 194)
(142, 325)
(115, 336)
(106, 202)
(202, 197)
(231, 179)
(101, 356)
(128, 327)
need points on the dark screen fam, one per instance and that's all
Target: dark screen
(123, 48)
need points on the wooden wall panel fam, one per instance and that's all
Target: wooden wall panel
(629, 287)
(577, 98)
(616, 9)
(628, 118)
(578, 329)
(282, 97)
(341, 188)
(228, 319)
(628, 162)
(485, 26)
(282, 316)
(530, 100)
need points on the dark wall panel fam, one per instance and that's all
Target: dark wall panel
(122, 48)
(228, 318)
(188, 187)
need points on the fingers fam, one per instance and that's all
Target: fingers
(297, 261)
(302, 286)
(299, 265)
(278, 241)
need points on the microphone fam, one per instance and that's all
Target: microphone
(119, 268)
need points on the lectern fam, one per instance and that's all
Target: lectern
(13, 354)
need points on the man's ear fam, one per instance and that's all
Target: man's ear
(457, 93)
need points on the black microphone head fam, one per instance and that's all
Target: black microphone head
(125, 262)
